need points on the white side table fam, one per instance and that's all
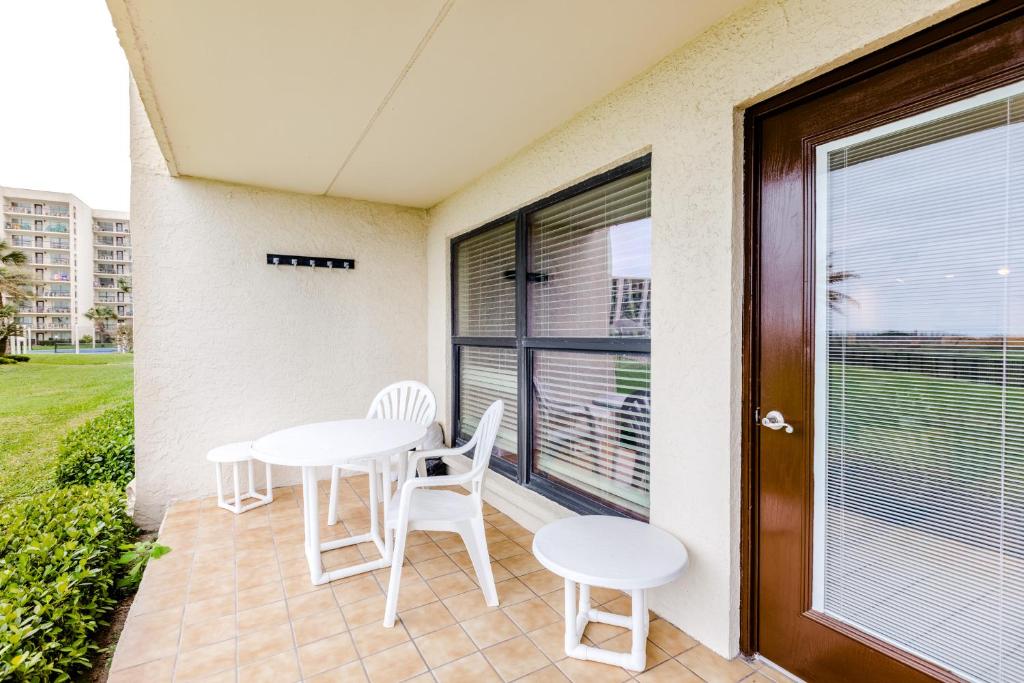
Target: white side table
(611, 552)
(235, 453)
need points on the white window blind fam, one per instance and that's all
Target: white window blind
(591, 425)
(590, 263)
(485, 284)
(486, 375)
(919, 422)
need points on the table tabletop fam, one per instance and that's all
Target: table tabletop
(613, 552)
(338, 442)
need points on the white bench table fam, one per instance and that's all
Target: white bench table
(325, 444)
(611, 552)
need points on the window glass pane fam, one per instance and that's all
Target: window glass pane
(485, 284)
(486, 375)
(919, 415)
(591, 425)
(590, 263)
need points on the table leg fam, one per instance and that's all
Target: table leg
(572, 635)
(385, 481)
(311, 506)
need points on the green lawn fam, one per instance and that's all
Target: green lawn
(44, 398)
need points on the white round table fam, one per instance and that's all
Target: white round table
(611, 552)
(339, 442)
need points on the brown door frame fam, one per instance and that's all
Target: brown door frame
(949, 31)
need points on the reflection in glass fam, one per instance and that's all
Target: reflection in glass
(592, 425)
(487, 375)
(590, 263)
(920, 388)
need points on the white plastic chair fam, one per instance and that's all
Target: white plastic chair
(408, 400)
(419, 508)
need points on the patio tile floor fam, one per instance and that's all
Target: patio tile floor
(233, 602)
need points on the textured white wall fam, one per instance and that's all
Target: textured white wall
(229, 348)
(688, 112)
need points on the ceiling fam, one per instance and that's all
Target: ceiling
(397, 101)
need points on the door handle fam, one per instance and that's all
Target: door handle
(775, 421)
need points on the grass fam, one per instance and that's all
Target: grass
(44, 398)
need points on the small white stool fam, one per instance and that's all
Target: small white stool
(611, 552)
(236, 453)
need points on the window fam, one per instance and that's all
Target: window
(551, 313)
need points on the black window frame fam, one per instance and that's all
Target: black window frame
(525, 347)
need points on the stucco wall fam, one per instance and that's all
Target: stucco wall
(688, 112)
(227, 347)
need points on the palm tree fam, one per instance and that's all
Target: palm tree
(836, 298)
(12, 279)
(12, 289)
(99, 315)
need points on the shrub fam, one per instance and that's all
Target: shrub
(86, 339)
(19, 358)
(101, 450)
(59, 565)
(4, 360)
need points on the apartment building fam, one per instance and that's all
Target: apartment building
(78, 257)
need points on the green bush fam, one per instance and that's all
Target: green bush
(19, 358)
(101, 450)
(4, 360)
(60, 560)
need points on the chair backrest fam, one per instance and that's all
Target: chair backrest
(484, 437)
(411, 401)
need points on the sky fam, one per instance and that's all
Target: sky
(64, 111)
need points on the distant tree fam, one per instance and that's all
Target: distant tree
(124, 285)
(100, 315)
(836, 298)
(13, 281)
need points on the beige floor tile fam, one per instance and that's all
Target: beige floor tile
(550, 640)
(414, 594)
(515, 658)
(262, 617)
(309, 604)
(669, 638)
(375, 637)
(321, 625)
(159, 671)
(467, 605)
(446, 645)
(669, 671)
(426, 619)
(504, 549)
(532, 614)
(400, 663)
(580, 671)
(438, 566)
(423, 552)
(281, 668)
(326, 654)
(300, 584)
(490, 629)
(472, 669)
(264, 594)
(267, 642)
(549, 674)
(712, 667)
(767, 673)
(148, 600)
(364, 612)
(205, 661)
(352, 672)
(212, 608)
(451, 584)
(355, 589)
(599, 632)
(542, 581)
(512, 590)
(208, 632)
(148, 637)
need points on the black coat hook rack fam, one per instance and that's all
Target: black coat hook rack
(311, 261)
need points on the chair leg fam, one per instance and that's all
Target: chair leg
(475, 538)
(332, 504)
(395, 582)
(270, 485)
